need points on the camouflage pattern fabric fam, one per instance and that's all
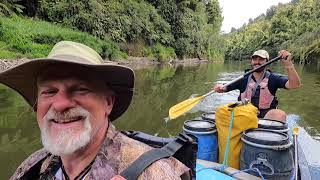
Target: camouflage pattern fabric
(116, 154)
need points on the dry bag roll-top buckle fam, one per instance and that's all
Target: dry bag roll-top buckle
(184, 138)
(245, 101)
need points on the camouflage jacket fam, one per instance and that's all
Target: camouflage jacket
(116, 154)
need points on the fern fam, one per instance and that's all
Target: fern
(11, 7)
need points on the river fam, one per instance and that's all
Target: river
(157, 89)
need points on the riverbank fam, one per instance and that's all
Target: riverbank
(133, 62)
(7, 63)
(142, 62)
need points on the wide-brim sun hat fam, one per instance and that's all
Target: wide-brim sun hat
(261, 53)
(23, 77)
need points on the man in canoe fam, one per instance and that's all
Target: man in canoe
(261, 86)
(76, 97)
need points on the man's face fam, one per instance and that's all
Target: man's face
(256, 61)
(72, 110)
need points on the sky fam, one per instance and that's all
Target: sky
(238, 12)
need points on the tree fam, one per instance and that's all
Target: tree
(293, 26)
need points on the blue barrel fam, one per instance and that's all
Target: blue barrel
(206, 133)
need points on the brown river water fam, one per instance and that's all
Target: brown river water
(157, 89)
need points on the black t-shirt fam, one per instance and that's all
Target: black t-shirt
(275, 81)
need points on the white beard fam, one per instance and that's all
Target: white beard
(66, 141)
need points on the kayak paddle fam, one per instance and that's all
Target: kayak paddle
(185, 106)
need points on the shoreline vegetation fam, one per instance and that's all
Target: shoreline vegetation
(294, 26)
(157, 31)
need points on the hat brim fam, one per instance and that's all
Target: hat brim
(23, 79)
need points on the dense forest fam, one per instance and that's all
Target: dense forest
(161, 29)
(294, 26)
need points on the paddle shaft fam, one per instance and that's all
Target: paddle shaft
(296, 157)
(295, 132)
(247, 73)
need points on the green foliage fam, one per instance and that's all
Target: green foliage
(36, 38)
(292, 26)
(191, 27)
(160, 52)
(10, 7)
(307, 46)
(214, 14)
(129, 22)
(123, 21)
(195, 25)
(242, 44)
(7, 54)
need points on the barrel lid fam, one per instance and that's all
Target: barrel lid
(199, 125)
(271, 124)
(209, 116)
(266, 137)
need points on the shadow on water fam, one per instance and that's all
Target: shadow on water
(157, 89)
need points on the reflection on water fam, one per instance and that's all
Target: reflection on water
(157, 89)
(19, 134)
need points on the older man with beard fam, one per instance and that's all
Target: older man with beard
(261, 86)
(75, 96)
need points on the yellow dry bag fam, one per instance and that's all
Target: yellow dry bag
(245, 117)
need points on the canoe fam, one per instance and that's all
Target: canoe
(308, 156)
(308, 151)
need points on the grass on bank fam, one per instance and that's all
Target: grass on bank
(28, 38)
(21, 37)
(160, 53)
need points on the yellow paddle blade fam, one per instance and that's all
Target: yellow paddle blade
(295, 131)
(183, 107)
